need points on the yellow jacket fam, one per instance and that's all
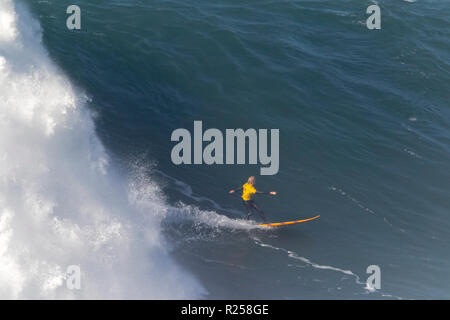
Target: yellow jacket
(248, 191)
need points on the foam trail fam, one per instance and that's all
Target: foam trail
(293, 255)
(61, 202)
(205, 218)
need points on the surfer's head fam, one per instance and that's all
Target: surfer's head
(251, 180)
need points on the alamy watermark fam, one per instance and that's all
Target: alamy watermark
(74, 20)
(73, 277)
(374, 280)
(374, 21)
(235, 144)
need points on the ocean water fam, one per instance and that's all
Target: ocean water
(86, 176)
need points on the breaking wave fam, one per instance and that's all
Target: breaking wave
(62, 202)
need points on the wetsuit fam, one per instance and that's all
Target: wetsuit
(248, 191)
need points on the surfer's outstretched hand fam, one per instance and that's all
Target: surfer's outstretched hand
(273, 192)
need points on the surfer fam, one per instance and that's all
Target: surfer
(248, 191)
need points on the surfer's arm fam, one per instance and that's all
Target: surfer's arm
(234, 190)
(264, 192)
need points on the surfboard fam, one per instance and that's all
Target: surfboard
(277, 224)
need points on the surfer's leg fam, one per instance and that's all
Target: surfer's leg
(261, 213)
(248, 207)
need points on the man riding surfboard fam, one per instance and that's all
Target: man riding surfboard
(248, 191)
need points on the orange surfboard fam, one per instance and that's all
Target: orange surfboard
(286, 223)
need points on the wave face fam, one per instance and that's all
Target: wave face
(62, 203)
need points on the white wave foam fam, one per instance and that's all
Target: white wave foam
(61, 201)
(186, 189)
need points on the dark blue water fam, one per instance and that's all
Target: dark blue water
(364, 134)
